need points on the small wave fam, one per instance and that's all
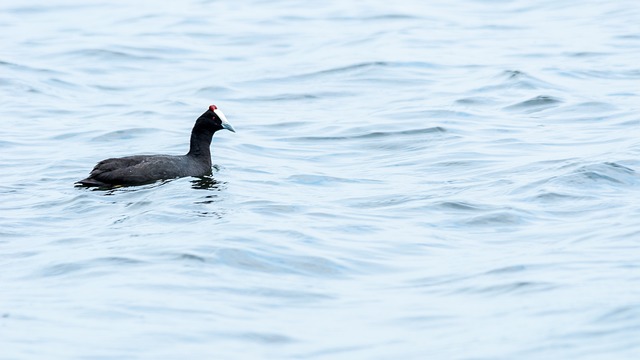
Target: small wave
(22, 67)
(391, 17)
(292, 97)
(325, 180)
(518, 287)
(506, 218)
(7, 144)
(287, 125)
(460, 205)
(507, 270)
(555, 197)
(347, 69)
(396, 16)
(579, 183)
(588, 110)
(358, 69)
(383, 201)
(604, 173)
(602, 74)
(271, 263)
(372, 135)
(125, 134)
(586, 54)
(476, 100)
(259, 337)
(192, 258)
(538, 103)
(628, 314)
(515, 75)
(140, 113)
(213, 91)
(609, 172)
(48, 9)
(351, 68)
(515, 79)
(522, 79)
(109, 55)
(82, 266)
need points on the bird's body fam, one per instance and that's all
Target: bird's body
(145, 169)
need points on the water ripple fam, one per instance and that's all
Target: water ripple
(462, 172)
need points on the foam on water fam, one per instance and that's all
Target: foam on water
(408, 180)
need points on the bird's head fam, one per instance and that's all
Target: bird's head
(215, 117)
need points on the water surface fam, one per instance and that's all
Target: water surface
(408, 180)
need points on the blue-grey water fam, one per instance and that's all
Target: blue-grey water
(408, 180)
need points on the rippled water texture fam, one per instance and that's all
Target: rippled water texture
(409, 180)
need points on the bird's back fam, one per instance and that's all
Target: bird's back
(143, 169)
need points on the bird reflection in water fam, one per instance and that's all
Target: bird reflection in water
(206, 183)
(211, 184)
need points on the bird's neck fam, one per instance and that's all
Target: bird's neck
(200, 142)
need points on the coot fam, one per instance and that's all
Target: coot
(144, 169)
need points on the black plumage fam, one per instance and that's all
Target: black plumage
(145, 169)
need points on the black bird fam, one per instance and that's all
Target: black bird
(145, 169)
